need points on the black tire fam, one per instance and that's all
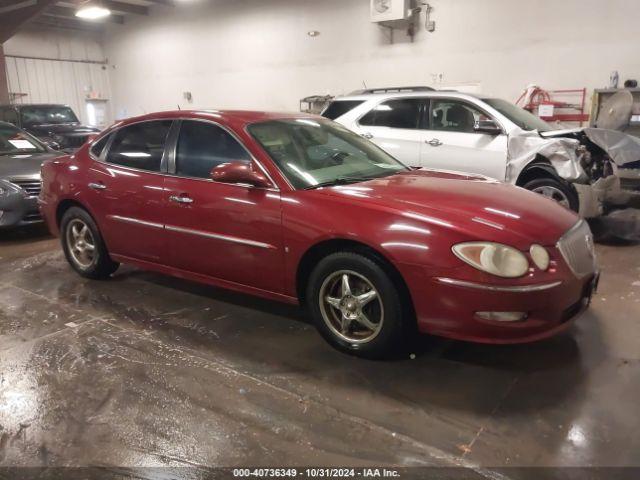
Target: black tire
(391, 335)
(559, 187)
(100, 265)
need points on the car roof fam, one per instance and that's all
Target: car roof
(227, 116)
(430, 94)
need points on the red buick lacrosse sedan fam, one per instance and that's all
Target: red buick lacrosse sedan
(296, 208)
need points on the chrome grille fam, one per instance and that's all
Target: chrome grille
(32, 187)
(577, 249)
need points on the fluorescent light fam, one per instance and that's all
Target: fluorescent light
(93, 11)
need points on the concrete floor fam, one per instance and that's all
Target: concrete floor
(145, 370)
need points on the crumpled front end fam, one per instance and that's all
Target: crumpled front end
(591, 159)
(624, 150)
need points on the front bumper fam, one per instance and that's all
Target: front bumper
(447, 301)
(621, 190)
(17, 210)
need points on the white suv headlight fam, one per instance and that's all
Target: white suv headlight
(493, 258)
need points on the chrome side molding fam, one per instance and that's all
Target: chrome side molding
(499, 288)
(189, 231)
(218, 236)
(135, 221)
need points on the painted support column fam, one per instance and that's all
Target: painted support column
(4, 85)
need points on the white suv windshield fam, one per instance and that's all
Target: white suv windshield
(522, 118)
(313, 153)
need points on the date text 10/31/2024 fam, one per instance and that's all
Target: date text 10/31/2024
(316, 472)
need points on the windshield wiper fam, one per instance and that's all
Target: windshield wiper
(344, 180)
(20, 152)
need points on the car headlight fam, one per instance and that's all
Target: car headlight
(540, 256)
(494, 258)
(2, 192)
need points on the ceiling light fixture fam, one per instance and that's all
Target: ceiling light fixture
(92, 10)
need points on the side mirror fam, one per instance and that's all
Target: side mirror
(487, 126)
(53, 145)
(239, 172)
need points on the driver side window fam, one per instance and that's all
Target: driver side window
(455, 116)
(203, 146)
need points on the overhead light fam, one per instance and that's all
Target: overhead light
(92, 10)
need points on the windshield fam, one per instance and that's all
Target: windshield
(15, 141)
(522, 118)
(313, 153)
(47, 115)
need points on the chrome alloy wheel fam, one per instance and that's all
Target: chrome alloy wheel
(351, 306)
(554, 194)
(80, 242)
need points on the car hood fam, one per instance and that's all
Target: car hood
(61, 129)
(476, 207)
(23, 165)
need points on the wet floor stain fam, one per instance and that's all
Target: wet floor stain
(145, 370)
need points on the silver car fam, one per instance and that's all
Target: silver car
(21, 156)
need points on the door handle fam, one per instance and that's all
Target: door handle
(367, 135)
(434, 142)
(177, 199)
(97, 186)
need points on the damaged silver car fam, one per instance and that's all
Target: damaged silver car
(472, 133)
(21, 156)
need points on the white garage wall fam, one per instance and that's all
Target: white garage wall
(256, 53)
(54, 67)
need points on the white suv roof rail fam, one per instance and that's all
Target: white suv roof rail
(392, 90)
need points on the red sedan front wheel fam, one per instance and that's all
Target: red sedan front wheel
(355, 305)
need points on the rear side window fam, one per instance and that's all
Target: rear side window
(140, 145)
(340, 107)
(203, 146)
(401, 113)
(98, 147)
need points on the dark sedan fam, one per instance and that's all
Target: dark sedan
(21, 156)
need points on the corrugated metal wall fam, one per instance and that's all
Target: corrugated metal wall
(58, 81)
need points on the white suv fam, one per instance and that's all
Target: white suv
(462, 132)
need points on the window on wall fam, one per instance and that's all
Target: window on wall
(401, 113)
(203, 146)
(140, 145)
(455, 116)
